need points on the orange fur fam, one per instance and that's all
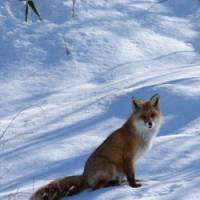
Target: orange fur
(114, 159)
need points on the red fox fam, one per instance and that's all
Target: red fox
(113, 161)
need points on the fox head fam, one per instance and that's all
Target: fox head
(147, 114)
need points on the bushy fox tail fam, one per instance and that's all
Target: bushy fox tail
(59, 188)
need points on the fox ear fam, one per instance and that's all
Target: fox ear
(136, 103)
(155, 100)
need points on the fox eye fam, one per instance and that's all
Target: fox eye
(143, 117)
(153, 115)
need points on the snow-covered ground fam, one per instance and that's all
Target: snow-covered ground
(57, 108)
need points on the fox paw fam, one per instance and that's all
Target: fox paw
(136, 184)
(139, 181)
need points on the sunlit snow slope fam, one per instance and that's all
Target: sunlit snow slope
(57, 108)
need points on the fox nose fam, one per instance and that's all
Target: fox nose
(150, 124)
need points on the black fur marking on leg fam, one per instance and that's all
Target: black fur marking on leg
(72, 190)
(45, 197)
(112, 183)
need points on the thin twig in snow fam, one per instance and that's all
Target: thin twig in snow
(154, 4)
(73, 7)
(16, 116)
(33, 186)
(67, 51)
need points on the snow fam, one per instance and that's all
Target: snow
(57, 108)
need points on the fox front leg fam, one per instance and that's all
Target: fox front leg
(130, 173)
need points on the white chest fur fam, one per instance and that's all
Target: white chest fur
(147, 134)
